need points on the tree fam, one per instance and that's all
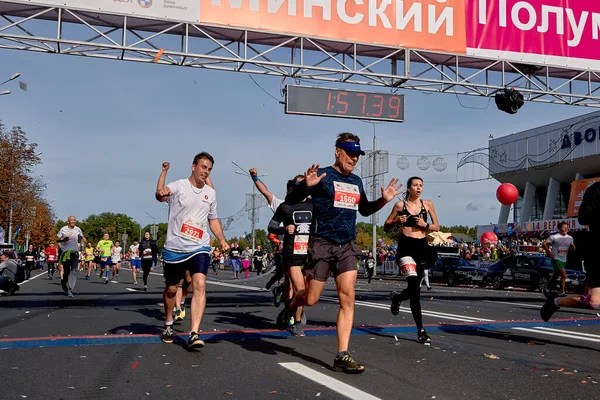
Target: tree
(20, 190)
(161, 234)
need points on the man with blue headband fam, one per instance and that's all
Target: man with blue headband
(337, 195)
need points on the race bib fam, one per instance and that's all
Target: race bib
(51, 258)
(563, 251)
(29, 258)
(408, 267)
(301, 244)
(346, 195)
(191, 230)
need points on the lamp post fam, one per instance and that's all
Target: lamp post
(154, 231)
(12, 78)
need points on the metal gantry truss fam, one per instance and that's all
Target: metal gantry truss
(68, 30)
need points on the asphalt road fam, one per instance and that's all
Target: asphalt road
(104, 344)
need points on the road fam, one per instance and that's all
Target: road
(104, 344)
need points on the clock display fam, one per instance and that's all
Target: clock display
(344, 103)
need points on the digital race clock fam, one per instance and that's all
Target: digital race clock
(324, 102)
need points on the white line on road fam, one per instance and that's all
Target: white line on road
(30, 279)
(568, 332)
(543, 332)
(327, 381)
(131, 289)
(514, 304)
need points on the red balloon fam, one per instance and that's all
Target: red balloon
(488, 238)
(507, 194)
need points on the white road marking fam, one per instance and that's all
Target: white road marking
(568, 332)
(514, 304)
(327, 381)
(131, 289)
(30, 279)
(543, 332)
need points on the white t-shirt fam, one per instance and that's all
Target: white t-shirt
(115, 254)
(560, 246)
(190, 209)
(134, 251)
(73, 234)
(275, 202)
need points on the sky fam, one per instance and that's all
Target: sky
(105, 127)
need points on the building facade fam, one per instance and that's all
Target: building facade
(542, 163)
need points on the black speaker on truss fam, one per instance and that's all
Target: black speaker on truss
(509, 100)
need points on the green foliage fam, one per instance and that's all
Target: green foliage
(160, 236)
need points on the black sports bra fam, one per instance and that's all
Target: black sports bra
(411, 222)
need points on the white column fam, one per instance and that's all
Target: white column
(578, 176)
(528, 199)
(504, 213)
(551, 196)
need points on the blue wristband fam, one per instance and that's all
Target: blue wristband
(255, 178)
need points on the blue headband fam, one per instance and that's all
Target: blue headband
(351, 147)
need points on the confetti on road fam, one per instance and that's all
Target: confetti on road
(167, 363)
(228, 393)
(396, 337)
(273, 392)
(103, 387)
(70, 387)
(532, 343)
(318, 394)
(491, 356)
(505, 369)
(560, 370)
(134, 366)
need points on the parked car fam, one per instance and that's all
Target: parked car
(455, 270)
(530, 271)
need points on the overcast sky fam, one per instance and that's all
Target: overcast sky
(106, 126)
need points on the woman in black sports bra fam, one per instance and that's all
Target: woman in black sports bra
(409, 217)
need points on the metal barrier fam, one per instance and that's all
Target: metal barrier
(385, 268)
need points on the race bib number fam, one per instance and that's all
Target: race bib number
(346, 195)
(29, 258)
(51, 258)
(563, 251)
(191, 230)
(301, 244)
(408, 267)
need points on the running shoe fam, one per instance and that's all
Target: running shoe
(69, 294)
(180, 315)
(549, 308)
(347, 364)
(283, 319)
(145, 288)
(135, 282)
(167, 334)
(194, 342)
(428, 287)
(276, 296)
(395, 307)
(423, 338)
(562, 294)
(297, 330)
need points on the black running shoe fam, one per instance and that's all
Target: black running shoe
(395, 307)
(194, 342)
(283, 319)
(423, 338)
(167, 334)
(347, 364)
(549, 308)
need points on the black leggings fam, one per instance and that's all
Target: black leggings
(51, 265)
(67, 267)
(423, 255)
(146, 265)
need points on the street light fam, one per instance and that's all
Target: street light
(12, 78)
(2, 93)
(153, 225)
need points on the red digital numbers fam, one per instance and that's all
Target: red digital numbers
(342, 102)
(364, 105)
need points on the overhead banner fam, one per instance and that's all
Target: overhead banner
(578, 189)
(554, 32)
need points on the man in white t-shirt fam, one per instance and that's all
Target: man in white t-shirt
(134, 259)
(68, 237)
(557, 247)
(192, 211)
(115, 260)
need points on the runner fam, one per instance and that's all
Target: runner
(296, 220)
(234, 258)
(51, 258)
(557, 247)
(272, 200)
(246, 256)
(8, 273)
(42, 259)
(134, 260)
(104, 247)
(115, 260)
(69, 237)
(192, 210)
(258, 259)
(589, 214)
(149, 253)
(337, 195)
(414, 253)
(30, 257)
(216, 256)
(88, 259)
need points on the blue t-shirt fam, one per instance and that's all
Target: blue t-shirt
(336, 200)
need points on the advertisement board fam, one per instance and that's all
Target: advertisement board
(578, 188)
(554, 32)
